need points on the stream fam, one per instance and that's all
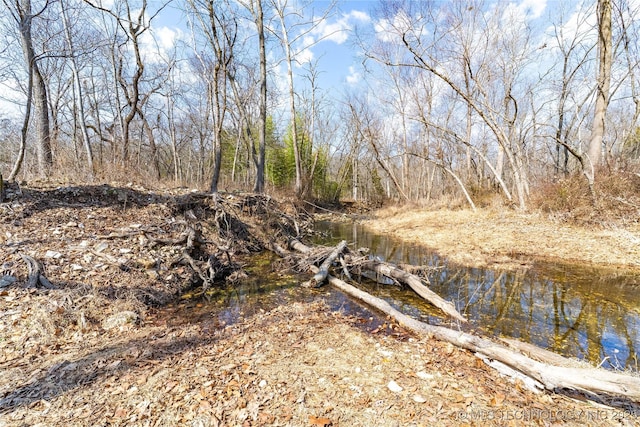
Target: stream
(592, 314)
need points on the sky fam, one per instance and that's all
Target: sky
(332, 42)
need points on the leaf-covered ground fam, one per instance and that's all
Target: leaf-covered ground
(105, 349)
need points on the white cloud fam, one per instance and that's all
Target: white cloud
(354, 77)
(304, 56)
(157, 44)
(166, 37)
(524, 11)
(389, 30)
(339, 30)
(360, 16)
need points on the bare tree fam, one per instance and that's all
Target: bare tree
(292, 22)
(602, 93)
(78, 90)
(220, 32)
(23, 15)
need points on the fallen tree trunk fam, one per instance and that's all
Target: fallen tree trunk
(323, 271)
(415, 283)
(589, 380)
(386, 269)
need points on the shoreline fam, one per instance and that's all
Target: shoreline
(508, 240)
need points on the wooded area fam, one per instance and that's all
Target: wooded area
(204, 94)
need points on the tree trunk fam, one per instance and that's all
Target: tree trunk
(79, 93)
(551, 377)
(602, 93)
(259, 185)
(40, 102)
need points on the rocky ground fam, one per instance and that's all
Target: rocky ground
(104, 346)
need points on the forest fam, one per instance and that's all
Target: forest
(296, 212)
(230, 95)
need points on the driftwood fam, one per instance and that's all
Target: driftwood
(592, 381)
(323, 271)
(414, 282)
(534, 366)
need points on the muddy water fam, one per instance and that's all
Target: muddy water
(577, 311)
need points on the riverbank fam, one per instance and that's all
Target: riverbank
(507, 239)
(107, 346)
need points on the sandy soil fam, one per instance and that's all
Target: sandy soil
(509, 239)
(105, 348)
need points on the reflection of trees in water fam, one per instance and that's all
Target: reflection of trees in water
(579, 312)
(569, 318)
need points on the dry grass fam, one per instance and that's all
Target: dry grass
(615, 202)
(506, 238)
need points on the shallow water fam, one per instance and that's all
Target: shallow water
(577, 311)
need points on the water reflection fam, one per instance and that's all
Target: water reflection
(588, 313)
(265, 289)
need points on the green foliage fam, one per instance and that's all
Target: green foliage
(281, 166)
(378, 189)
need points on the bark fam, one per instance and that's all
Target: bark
(260, 160)
(292, 98)
(36, 274)
(415, 283)
(411, 280)
(317, 280)
(602, 93)
(38, 88)
(551, 377)
(78, 91)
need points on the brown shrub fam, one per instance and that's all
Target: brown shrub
(615, 199)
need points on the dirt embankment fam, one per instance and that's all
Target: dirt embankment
(100, 349)
(509, 239)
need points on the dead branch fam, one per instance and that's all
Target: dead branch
(36, 273)
(415, 283)
(394, 273)
(321, 275)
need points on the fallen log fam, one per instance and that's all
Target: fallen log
(323, 271)
(592, 381)
(415, 283)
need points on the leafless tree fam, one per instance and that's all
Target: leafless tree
(23, 16)
(605, 55)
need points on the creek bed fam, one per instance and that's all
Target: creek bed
(588, 313)
(592, 314)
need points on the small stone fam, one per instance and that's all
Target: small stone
(52, 254)
(394, 387)
(419, 399)
(263, 383)
(76, 267)
(120, 319)
(424, 376)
